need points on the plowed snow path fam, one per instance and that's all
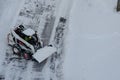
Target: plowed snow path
(14, 68)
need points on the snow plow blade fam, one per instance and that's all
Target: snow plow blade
(44, 53)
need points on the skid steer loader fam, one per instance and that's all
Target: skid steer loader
(26, 43)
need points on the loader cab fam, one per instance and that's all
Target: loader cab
(30, 36)
(24, 42)
(26, 34)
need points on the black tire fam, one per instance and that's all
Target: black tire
(39, 45)
(8, 40)
(16, 50)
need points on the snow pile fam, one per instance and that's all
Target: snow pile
(93, 43)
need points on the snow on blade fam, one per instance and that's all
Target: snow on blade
(44, 53)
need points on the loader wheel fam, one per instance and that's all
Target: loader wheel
(26, 56)
(39, 45)
(16, 50)
(8, 39)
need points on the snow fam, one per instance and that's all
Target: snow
(29, 32)
(92, 44)
(7, 17)
(93, 41)
(44, 53)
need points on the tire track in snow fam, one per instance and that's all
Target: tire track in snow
(60, 28)
(46, 34)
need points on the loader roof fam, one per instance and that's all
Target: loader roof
(29, 32)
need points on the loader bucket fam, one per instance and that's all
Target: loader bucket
(44, 53)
